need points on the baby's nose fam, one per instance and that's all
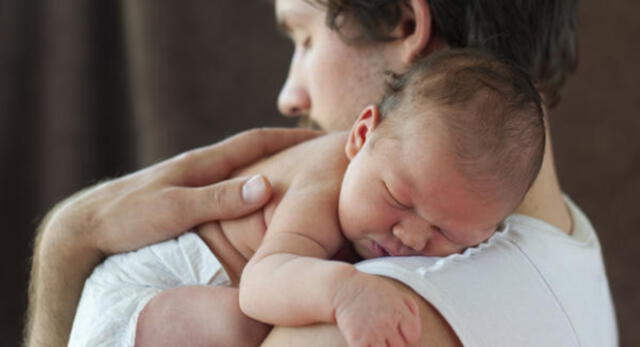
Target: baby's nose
(412, 236)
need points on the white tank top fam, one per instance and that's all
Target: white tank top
(529, 285)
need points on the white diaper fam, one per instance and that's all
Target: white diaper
(121, 286)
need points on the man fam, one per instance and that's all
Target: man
(336, 70)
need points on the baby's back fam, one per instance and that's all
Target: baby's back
(320, 161)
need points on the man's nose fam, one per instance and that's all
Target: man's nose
(294, 100)
(412, 233)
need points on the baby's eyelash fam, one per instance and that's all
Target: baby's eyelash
(395, 201)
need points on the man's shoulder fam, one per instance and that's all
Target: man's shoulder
(528, 267)
(528, 229)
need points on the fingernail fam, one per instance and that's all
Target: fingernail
(254, 189)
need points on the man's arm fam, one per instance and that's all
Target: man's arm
(148, 206)
(435, 329)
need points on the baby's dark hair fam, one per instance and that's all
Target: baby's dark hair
(490, 110)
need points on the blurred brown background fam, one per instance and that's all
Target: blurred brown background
(95, 89)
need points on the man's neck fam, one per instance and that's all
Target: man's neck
(545, 200)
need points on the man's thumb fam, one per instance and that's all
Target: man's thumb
(256, 190)
(230, 199)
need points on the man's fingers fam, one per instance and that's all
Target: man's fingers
(225, 200)
(270, 140)
(213, 163)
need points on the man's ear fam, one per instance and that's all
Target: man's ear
(362, 130)
(415, 30)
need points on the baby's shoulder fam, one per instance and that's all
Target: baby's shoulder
(322, 161)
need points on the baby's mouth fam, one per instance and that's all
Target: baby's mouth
(379, 250)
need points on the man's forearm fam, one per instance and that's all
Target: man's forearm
(145, 207)
(61, 262)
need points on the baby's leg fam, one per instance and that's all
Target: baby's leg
(198, 316)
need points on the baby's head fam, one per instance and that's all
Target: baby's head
(448, 154)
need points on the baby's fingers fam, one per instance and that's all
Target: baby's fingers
(395, 340)
(388, 335)
(369, 338)
(410, 327)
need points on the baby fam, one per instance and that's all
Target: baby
(434, 169)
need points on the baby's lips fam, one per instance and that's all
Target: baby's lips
(380, 251)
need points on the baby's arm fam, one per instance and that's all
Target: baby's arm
(197, 316)
(289, 281)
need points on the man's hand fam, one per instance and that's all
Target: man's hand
(166, 199)
(145, 207)
(372, 312)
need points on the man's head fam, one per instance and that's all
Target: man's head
(375, 36)
(452, 150)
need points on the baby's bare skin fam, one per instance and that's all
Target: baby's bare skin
(235, 241)
(294, 236)
(350, 191)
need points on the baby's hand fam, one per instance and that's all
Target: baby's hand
(371, 312)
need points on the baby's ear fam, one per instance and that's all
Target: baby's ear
(362, 130)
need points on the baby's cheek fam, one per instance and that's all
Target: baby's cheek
(440, 246)
(475, 238)
(483, 236)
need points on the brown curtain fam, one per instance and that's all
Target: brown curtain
(95, 89)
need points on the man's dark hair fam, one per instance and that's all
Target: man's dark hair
(490, 111)
(538, 35)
